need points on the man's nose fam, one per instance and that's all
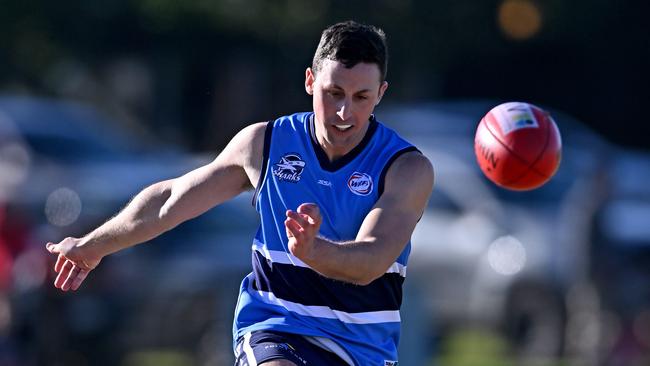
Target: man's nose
(344, 110)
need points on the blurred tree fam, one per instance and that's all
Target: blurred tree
(214, 66)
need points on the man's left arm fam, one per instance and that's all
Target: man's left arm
(383, 235)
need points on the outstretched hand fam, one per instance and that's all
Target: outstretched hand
(302, 227)
(73, 263)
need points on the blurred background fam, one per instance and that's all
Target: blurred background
(100, 99)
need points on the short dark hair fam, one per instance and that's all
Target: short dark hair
(351, 43)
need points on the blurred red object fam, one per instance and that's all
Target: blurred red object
(13, 240)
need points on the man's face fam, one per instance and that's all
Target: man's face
(343, 100)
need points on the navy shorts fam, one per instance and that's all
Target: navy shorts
(262, 346)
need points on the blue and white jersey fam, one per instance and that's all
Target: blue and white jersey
(285, 294)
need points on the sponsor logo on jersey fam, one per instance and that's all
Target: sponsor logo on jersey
(390, 363)
(360, 184)
(286, 348)
(289, 168)
(324, 182)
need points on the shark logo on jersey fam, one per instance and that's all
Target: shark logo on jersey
(360, 184)
(289, 168)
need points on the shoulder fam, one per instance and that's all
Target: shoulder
(252, 133)
(412, 162)
(249, 138)
(411, 171)
(245, 148)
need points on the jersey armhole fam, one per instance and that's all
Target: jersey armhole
(265, 158)
(390, 161)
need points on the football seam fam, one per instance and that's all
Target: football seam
(529, 167)
(541, 153)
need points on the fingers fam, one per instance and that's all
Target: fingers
(302, 228)
(59, 263)
(72, 277)
(293, 228)
(296, 235)
(287, 229)
(79, 279)
(305, 220)
(301, 219)
(72, 269)
(309, 209)
(63, 274)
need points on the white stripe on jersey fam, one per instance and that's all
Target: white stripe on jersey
(250, 356)
(397, 268)
(282, 257)
(370, 317)
(331, 346)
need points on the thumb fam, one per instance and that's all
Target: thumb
(310, 209)
(53, 248)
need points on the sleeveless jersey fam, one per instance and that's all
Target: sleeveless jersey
(284, 294)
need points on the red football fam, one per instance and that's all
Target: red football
(518, 146)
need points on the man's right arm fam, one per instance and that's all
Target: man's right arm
(164, 205)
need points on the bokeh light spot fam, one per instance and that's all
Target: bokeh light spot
(519, 19)
(506, 255)
(62, 207)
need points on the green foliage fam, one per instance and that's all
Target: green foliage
(482, 347)
(158, 358)
(474, 347)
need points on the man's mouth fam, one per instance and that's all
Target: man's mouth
(343, 127)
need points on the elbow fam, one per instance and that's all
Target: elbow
(365, 278)
(168, 217)
(364, 281)
(363, 274)
(167, 214)
(357, 277)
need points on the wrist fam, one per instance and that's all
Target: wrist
(90, 247)
(320, 251)
(316, 249)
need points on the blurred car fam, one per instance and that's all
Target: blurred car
(620, 261)
(70, 166)
(64, 169)
(488, 257)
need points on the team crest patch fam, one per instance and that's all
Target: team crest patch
(289, 168)
(360, 184)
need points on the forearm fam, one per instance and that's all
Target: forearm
(358, 262)
(162, 206)
(140, 221)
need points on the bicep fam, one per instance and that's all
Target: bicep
(222, 179)
(392, 220)
(205, 187)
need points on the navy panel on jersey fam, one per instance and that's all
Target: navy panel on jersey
(305, 286)
(262, 346)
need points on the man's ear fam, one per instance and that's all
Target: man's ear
(382, 90)
(309, 81)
